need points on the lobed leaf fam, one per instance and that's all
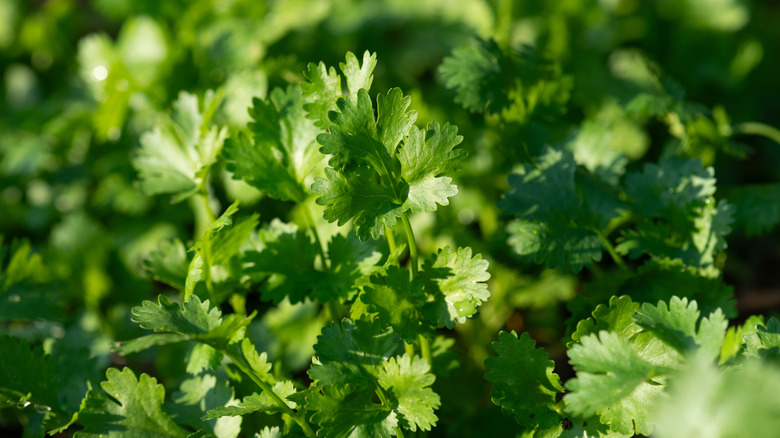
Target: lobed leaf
(526, 385)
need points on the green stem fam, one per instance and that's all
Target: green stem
(205, 198)
(385, 402)
(755, 128)
(333, 310)
(409, 349)
(313, 228)
(611, 250)
(246, 369)
(390, 239)
(425, 349)
(412, 245)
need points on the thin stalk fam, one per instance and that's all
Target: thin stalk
(756, 128)
(412, 245)
(246, 369)
(425, 349)
(205, 198)
(611, 250)
(383, 398)
(390, 239)
(333, 311)
(409, 349)
(313, 228)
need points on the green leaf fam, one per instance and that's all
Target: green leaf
(289, 257)
(351, 261)
(354, 137)
(258, 362)
(611, 381)
(526, 385)
(129, 407)
(353, 353)
(355, 195)
(517, 84)
(175, 156)
(408, 380)
(284, 153)
(735, 338)
(757, 207)
(474, 71)
(657, 280)
(675, 325)
(26, 290)
(425, 157)
(456, 280)
(218, 244)
(398, 301)
(764, 343)
(617, 318)
(555, 247)
(678, 216)
(198, 395)
(257, 402)
(343, 412)
(703, 400)
(557, 225)
(27, 375)
(168, 264)
(269, 432)
(203, 357)
(359, 77)
(322, 87)
(191, 318)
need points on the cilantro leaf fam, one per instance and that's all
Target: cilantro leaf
(168, 264)
(455, 279)
(675, 325)
(703, 400)
(284, 152)
(25, 285)
(288, 256)
(218, 244)
(557, 225)
(129, 406)
(175, 157)
(516, 84)
(398, 302)
(656, 280)
(193, 320)
(256, 402)
(758, 209)
(352, 353)
(27, 374)
(322, 87)
(425, 157)
(200, 394)
(355, 136)
(678, 217)
(526, 385)
(611, 381)
(345, 412)
(408, 379)
(617, 317)
(765, 341)
(351, 261)
(354, 194)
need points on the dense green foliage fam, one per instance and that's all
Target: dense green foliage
(488, 218)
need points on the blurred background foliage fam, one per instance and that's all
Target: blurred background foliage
(619, 82)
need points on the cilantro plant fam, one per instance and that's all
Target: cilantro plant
(205, 234)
